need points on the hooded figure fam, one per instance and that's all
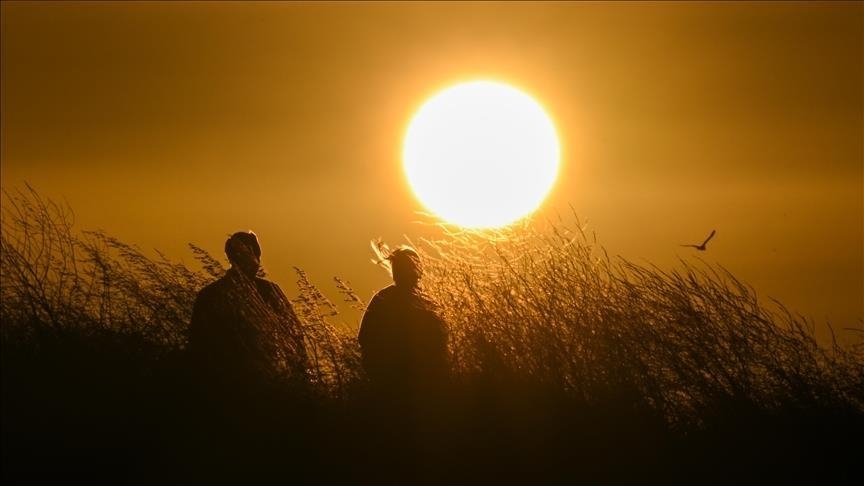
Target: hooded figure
(402, 337)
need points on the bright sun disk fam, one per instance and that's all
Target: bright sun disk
(481, 154)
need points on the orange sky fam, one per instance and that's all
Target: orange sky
(169, 123)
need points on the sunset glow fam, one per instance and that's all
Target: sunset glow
(481, 154)
(431, 242)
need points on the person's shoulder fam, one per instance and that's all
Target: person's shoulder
(264, 282)
(382, 298)
(210, 296)
(385, 293)
(426, 305)
(214, 288)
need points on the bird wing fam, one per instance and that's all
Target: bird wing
(713, 232)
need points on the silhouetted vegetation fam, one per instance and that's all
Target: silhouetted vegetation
(568, 365)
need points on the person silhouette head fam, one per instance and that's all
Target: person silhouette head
(244, 252)
(405, 267)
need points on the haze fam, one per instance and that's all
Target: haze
(167, 123)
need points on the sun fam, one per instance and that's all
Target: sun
(481, 154)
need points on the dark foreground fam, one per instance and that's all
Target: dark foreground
(80, 411)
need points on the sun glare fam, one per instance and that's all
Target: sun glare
(481, 154)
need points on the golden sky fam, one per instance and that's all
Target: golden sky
(167, 123)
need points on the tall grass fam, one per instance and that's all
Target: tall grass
(560, 355)
(548, 305)
(55, 278)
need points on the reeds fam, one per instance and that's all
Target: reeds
(545, 303)
(548, 333)
(542, 302)
(59, 280)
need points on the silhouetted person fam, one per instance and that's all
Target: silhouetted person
(402, 337)
(244, 329)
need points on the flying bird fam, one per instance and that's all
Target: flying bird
(702, 246)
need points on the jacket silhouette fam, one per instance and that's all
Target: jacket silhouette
(402, 337)
(243, 327)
